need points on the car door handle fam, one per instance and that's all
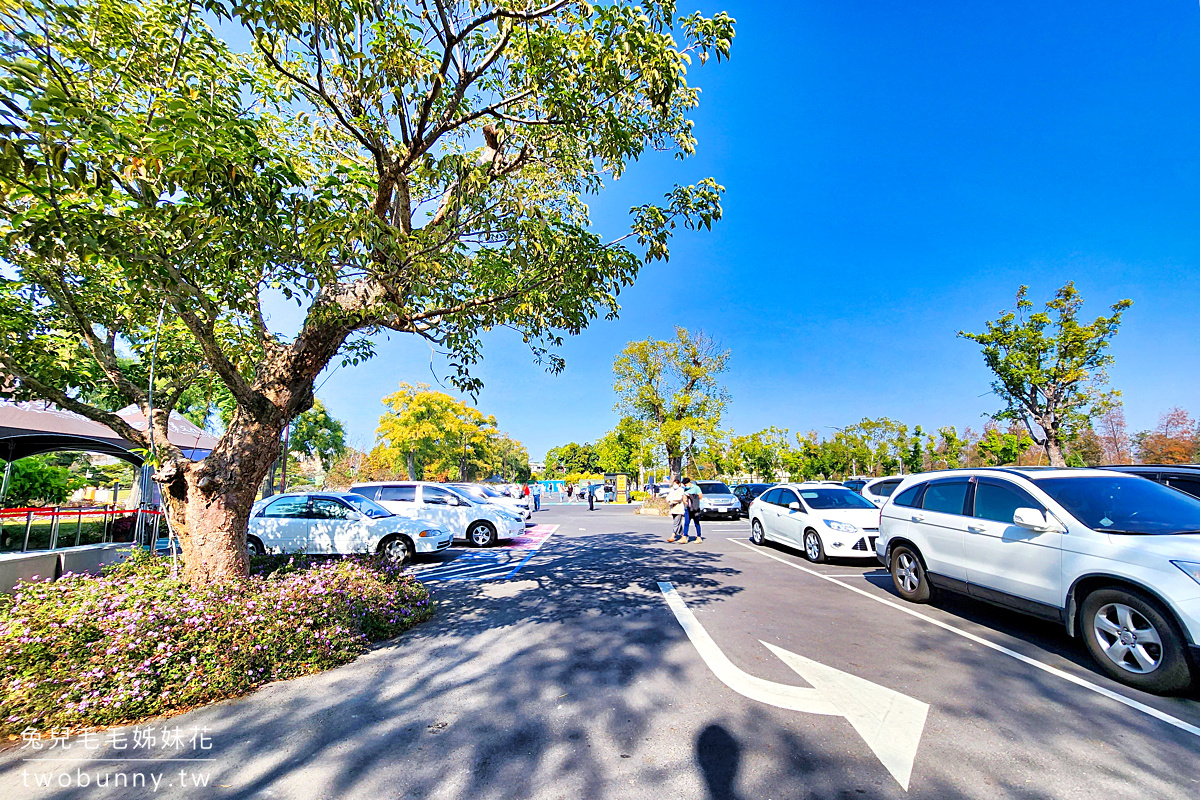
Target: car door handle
(976, 528)
(918, 517)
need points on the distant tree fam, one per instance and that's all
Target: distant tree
(949, 452)
(573, 458)
(1176, 440)
(1114, 436)
(316, 434)
(999, 449)
(761, 454)
(672, 387)
(1085, 449)
(508, 458)
(347, 470)
(415, 427)
(1050, 369)
(914, 456)
(624, 449)
(36, 480)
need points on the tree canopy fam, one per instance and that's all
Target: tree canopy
(431, 434)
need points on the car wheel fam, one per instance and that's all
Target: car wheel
(1133, 640)
(757, 535)
(255, 546)
(482, 534)
(396, 549)
(814, 551)
(908, 574)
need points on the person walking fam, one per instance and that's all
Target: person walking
(692, 513)
(677, 502)
(537, 497)
(591, 493)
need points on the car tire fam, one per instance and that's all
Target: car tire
(481, 534)
(1113, 619)
(814, 550)
(396, 549)
(757, 535)
(255, 547)
(908, 575)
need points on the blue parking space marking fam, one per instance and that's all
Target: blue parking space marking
(497, 564)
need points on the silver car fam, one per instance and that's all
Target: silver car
(717, 500)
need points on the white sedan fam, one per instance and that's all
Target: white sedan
(481, 524)
(339, 523)
(821, 519)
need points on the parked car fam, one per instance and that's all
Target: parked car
(481, 524)
(855, 484)
(486, 494)
(878, 490)
(1184, 477)
(822, 520)
(716, 500)
(746, 492)
(339, 523)
(1114, 557)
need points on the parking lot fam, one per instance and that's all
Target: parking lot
(574, 676)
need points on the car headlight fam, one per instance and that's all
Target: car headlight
(431, 532)
(1191, 568)
(844, 527)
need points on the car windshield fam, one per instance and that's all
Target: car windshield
(489, 492)
(368, 507)
(473, 490)
(470, 498)
(835, 499)
(713, 487)
(1124, 504)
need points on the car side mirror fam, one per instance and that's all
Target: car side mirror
(794, 506)
(1034, 520)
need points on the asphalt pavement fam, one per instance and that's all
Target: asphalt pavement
(594, 660)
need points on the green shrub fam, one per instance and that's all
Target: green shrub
(84, 652)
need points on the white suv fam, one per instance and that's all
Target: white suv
(481, 524)
(1114, 557)
(878, 490)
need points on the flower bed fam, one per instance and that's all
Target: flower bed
(84, 652)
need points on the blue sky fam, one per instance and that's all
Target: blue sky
(894, 172)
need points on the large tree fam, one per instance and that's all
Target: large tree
(672, 386)
(420, 167)
(1050, 367)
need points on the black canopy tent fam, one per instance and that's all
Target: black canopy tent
(33, 428)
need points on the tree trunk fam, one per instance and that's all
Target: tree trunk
(208, 502)
(675, 465)
(411, 464)
(1054, 452)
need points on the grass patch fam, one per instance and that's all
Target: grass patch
(84, 652)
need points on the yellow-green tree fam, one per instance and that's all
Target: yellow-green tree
(1050, 368)
(672, 387)
(435, 435)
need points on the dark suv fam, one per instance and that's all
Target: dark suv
(1184, 477)
(746, 492)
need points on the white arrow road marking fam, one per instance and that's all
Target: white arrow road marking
(889, 722)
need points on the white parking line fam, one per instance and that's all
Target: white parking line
(1100, 690)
